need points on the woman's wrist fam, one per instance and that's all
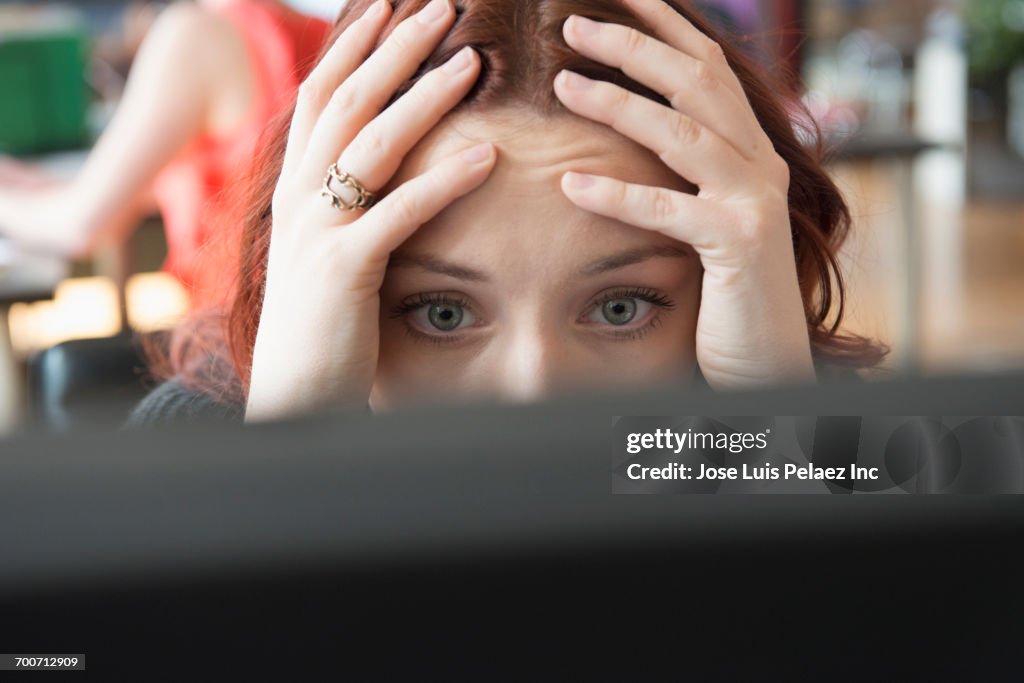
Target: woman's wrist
(284, 390)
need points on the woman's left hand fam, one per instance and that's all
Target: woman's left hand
(751, 329)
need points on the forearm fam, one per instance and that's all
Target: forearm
(66, 218)
(165, 107)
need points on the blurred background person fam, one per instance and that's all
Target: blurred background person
(208, 78)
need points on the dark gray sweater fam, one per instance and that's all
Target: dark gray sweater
(173, 402)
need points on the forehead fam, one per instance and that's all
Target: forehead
(521, 209)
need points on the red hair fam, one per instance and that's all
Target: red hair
(522, 50)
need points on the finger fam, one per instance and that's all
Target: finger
(380, 147)
(673, 28)
(342, 59)
(362, 96)
(680, 216)
(687, 147)
(402, 212)
(691, 86)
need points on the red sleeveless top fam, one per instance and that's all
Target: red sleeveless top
(201, 193)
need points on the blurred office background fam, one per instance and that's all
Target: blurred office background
(921, 101)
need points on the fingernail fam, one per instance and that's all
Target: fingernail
(579, 181)
(432, 12)
(462, 59)
(583, 26)
(475, 155)
(574, 81)
(376, 9)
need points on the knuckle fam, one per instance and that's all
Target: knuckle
(746, 240)
(405, 208)
(634, 40)
(677, 99)
(775, 166)
(745, 231)
(311, 93)
(402, 40)
(404, 204)
(343, 101)
(621, 195)
(751, 233)
(755, 225)
(618, 98)
(683, 129)
(780, 169)
(423, 96)
(662, 206)
(666, 13)
(713, 52)
(370, 143)
(704, 75)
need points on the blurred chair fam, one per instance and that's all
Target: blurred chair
(87, 382)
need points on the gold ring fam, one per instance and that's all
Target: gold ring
(364, 198)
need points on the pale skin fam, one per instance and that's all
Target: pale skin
(531, 273)
(621, 245)
(192, 77)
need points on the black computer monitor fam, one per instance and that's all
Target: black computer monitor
(484, 542)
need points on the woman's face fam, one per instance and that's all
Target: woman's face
(514, 293)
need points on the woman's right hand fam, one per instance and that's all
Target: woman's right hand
(318, 336)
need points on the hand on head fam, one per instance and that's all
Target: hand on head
(318, 340)
(326, 266)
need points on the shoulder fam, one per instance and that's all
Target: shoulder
(194, 35)
(186, 18)
(198, 61)
(173, 402)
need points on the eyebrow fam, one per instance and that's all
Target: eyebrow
(632, 257)
(434, 264)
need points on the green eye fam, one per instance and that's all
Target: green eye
(619, 311)
(445, 317)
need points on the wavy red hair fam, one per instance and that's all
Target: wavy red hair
(522, 49)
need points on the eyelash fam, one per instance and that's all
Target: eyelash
(642, 293)
(417, 301)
